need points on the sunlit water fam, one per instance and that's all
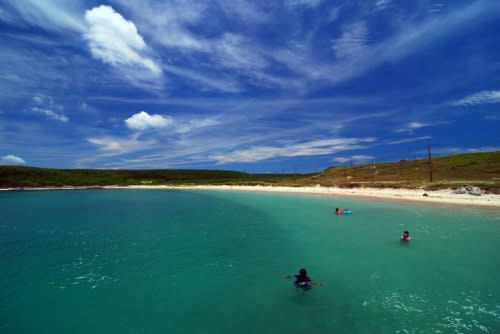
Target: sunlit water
(140, 261)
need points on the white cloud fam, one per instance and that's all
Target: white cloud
(483, 97)
(143, 120)
(45, 105)
(115, 41)
(311, 148)
(12, 160)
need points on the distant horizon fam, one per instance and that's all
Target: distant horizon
(291, 85)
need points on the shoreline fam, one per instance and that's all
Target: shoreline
(444, 196)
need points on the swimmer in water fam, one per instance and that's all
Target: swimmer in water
(302, 281)
(405, 236)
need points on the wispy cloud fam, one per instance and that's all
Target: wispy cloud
(56, 15)
(45, 105)
(382, 4)
(196, 124)
(405, 140)
(10, 159)
(225, 59)
(413, 37)
(458, 150)
(409, 127)
(142, 121)
(354, 159)
(352, 42)
(493, 117)
(436, 8)
(51, 114)
(244, 9)
(311, 148)
(483, 97)
(245, 61)
(111, 145)
(307, 3)
(114, 40)
(207, 82)
(333, 14)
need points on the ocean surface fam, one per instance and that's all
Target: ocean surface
(179, 261)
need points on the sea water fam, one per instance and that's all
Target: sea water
(164, 261)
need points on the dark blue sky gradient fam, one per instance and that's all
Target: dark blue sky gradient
(247, 85)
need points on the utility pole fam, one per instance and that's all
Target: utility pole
(373, 173)
(430, 163)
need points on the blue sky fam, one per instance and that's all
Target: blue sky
(259, 86)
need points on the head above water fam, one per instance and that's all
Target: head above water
(303, 272)
(406, 233)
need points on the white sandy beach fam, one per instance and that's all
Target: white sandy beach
(445, 196)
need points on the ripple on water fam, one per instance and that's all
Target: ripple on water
(84, 272)
(467, 313)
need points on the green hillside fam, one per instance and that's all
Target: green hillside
(11, 176)
(481, 169)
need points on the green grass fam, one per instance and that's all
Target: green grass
(11, 176)
(481, 169)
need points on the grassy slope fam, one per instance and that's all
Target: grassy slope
(481, 169)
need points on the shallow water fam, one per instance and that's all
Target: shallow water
(158, 261)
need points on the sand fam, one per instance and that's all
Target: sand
(445, 196)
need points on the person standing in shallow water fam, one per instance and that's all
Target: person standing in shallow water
(302, 281)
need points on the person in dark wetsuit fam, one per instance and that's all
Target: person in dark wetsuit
(302, 281)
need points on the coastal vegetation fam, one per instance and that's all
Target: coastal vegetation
(478, 169)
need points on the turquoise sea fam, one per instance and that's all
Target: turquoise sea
(179, 261)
